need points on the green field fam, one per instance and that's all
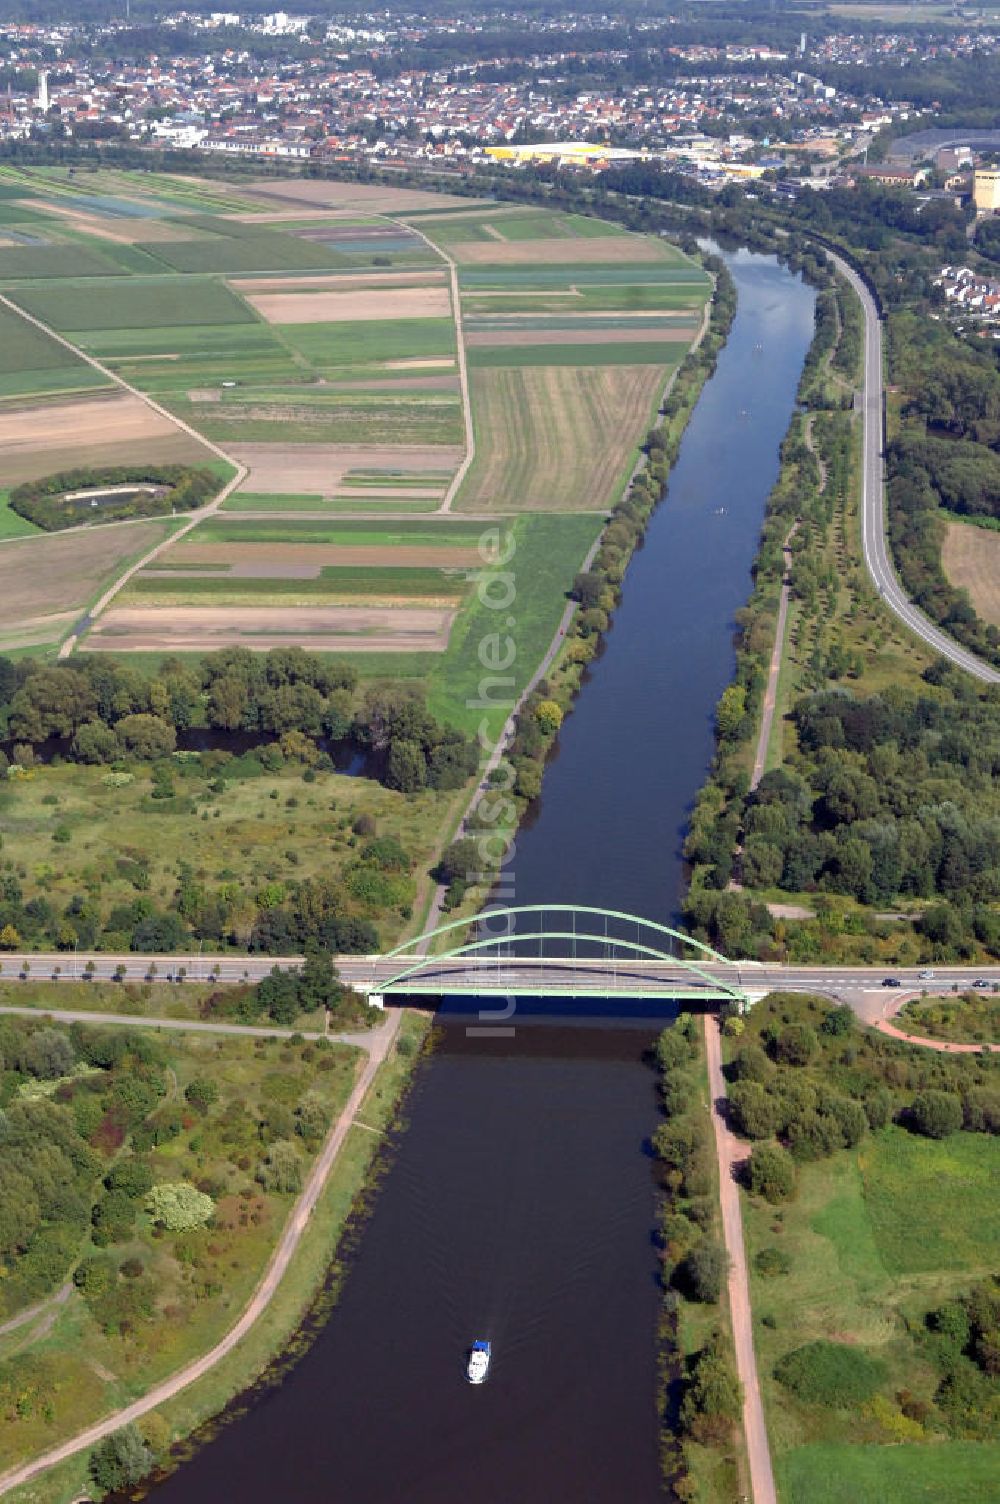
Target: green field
(263, 251)
(933, 1205)
(339, 420)
(548, 552)
(956, 1472)
(31, 362)
(448, 534)
(139, 305)
(641, 274)
(369, 341)
(652, 353)
(41, 262)
(597, 299)
(333, 583)
(11, 524)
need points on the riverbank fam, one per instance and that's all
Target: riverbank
(294, 1312)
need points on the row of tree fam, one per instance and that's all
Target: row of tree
(114, 493)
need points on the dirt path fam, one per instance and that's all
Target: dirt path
(261, 1299)
(731, 1152)
(196, 517)
(943, 1046)
(774, 670)
(49, 1304)
(463, 370)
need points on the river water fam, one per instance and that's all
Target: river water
(520, 1203)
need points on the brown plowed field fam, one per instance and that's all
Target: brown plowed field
(56, 573)
(364, 197)
(133, 629)
(971, 559)
(352, 305)
(106, 429)
(555, 438)
(616, 250)
(638, 335)
(315, 469)
(317, 282)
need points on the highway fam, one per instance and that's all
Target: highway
(873, 524)
(511, 975)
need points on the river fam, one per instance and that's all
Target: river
(520, 1203)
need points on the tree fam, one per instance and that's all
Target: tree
(146, 736)
(48, 1054)
(713, 1400)
(701, 1273)
(549, 717)
(795, 1045)
(406, 769)
(936, 1114)
(201, 1093)
(771, 1173)
(730, 711)
(179, 1207)
(753, 1110)
(281, 1170)
(120, 1460)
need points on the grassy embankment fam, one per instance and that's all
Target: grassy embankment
(971, 1018)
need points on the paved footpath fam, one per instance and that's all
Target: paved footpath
(261, 1298)
(731, 1152)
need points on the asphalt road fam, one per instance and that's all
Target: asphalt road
(875, 542)
(598, 977)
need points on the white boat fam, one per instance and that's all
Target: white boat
(479, 1362)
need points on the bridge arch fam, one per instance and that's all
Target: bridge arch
(418, 967)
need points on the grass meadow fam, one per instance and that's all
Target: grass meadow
(874, 1238)
(548, 551)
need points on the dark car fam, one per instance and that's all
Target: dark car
(891, 982)
(982, 982)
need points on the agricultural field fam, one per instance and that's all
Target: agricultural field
(557, 438)
(33, 364)
(47, 580)
(308, 332)
(970, 556)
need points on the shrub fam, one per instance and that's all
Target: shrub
(131, 1176)
(713, 1401)
(281, 1170)
(201, 1093)
(753, 1111)
(122, 1459)
(830, 1373)
(795, 1045)
(771, 1173)
(771, 1262)
(936, 1114)
(179, 1207)
(701, 1273)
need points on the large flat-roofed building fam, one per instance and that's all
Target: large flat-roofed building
(586, 153)
(986, 190)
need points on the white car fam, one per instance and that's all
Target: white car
(926, 976)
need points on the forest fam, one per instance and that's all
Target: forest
(891, 796)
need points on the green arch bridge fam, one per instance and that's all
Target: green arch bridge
(554, 950)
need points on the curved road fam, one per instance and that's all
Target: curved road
(875, 543)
